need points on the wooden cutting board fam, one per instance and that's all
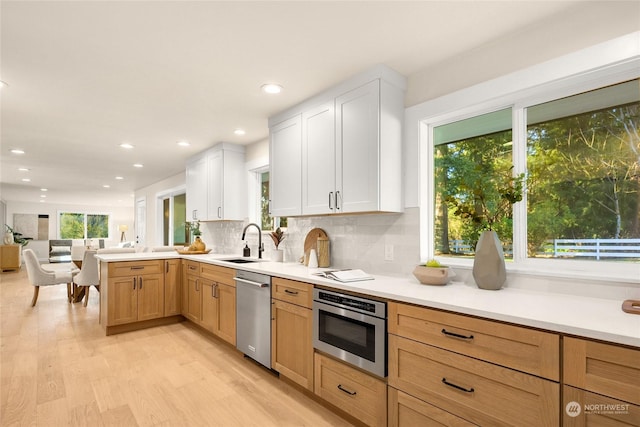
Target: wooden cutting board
(311, 242)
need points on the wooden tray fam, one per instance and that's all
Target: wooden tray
(194, 252)
(311, 242)
(631, 306)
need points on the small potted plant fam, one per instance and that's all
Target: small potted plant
(278, 236)
(432, 273)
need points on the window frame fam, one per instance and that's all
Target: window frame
(582, 71)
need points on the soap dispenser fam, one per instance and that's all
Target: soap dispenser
(246, 251)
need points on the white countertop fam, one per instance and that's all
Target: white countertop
(597, 318)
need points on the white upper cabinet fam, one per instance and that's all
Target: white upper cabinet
(285, 164)
(351, 148)
(196, 180)
(217, 188)
(318, 159)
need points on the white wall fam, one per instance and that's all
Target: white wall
(117, 215)
(154, 212)
(573, 29)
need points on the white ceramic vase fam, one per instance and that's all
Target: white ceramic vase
(279, 255)
(489, 270)
(8, 238)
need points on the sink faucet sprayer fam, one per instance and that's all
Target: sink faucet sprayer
(260, 245)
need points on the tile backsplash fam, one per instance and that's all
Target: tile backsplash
(356, 241)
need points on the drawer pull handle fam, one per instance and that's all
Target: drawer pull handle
(191, 267)
(138, 267)
(349, 392)
(466, 390)
(453, 334)
(291, 292)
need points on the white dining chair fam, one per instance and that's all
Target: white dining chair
(88, 275)
(40, 277)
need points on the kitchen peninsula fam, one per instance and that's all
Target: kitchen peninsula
(522, 335)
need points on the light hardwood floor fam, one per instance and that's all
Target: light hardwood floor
(57, 368)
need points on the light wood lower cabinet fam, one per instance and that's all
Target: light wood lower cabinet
(291, 331)
(406, 410)
(355, 392)
(211, 299)
(172, 286)
(582, 409)
(134, 292)
(607, 369)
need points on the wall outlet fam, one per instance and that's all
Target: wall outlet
(388, 252)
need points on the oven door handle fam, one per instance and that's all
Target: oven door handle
(251, 282)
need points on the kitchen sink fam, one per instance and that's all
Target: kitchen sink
(239, 260)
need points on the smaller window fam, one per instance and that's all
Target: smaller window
(267, 222)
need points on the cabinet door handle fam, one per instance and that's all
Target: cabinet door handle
(455, 335)
(140, 287)
(194, 214)
(219, 211)
(166, 263)
(457, 387)
(349, 392)
(330, 199)
(196, 286)
(291, 292)
(134, 283)
(215, 289)
(337, 198)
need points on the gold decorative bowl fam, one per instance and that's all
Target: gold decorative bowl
(437, 276)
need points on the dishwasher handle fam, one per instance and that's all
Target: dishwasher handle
(251, 282)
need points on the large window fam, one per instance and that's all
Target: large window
(75, 225)
(580, 155)
(583, 157)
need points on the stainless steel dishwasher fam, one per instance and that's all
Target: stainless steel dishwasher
(253, 315)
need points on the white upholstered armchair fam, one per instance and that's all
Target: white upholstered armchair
(40, 277)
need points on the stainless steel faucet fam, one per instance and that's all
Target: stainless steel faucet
(260, 244)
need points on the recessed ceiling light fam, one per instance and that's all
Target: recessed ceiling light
(43, 195)
(23, 169)
(26, 180)
(17, 151)
(119, 178)
(239, 132)
(44, 189)
(138, 165)
(106, 186)
(41, 201)
(183, 143)
(271, 88)
(126, 145)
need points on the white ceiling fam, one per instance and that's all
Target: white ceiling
(86, 76)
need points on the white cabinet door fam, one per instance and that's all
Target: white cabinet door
(318, 160)
(358, 149)
(216, 183)
(197, 188)
(286, 167)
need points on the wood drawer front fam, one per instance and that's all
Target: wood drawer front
(602, 368)
(291, 291)
(218, 274)
(135, 268)
(192, 268)
(407, 411)
(520, 348)
(500, 396)
(596, 410)
(353, 391)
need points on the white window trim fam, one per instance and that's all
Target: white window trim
(607, 63)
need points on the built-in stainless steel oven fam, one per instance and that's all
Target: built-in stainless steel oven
(351, 328)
